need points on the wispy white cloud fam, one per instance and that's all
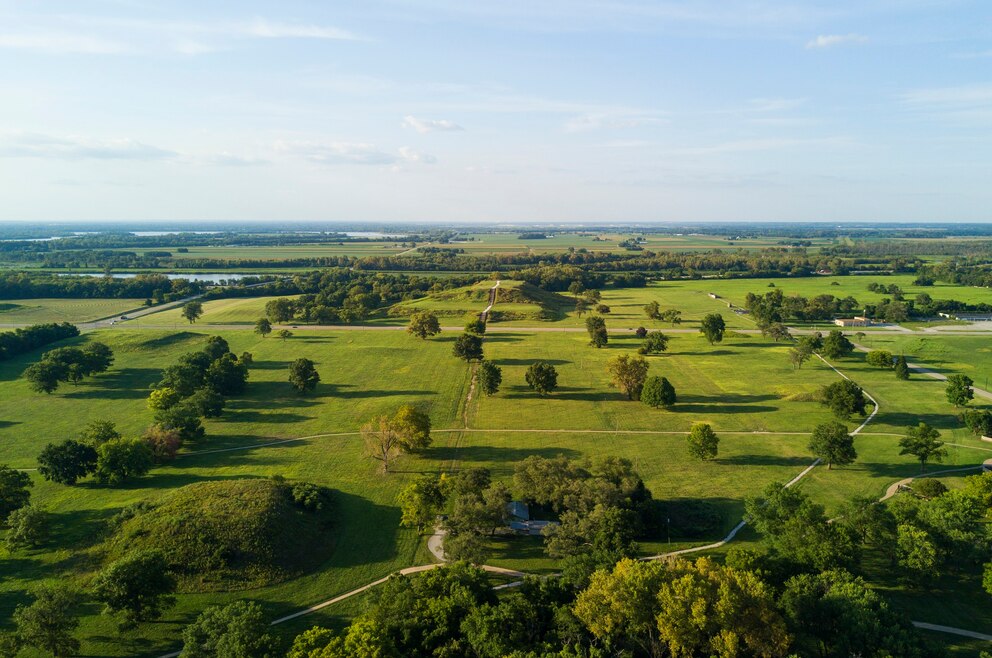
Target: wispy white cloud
(424, 126)
(61, 43)
(356, 153)
(34, 145)
(831, 40)
(980, 54)
(967, 103)
(271, 30)
(77, 34)
(408, 154)
(607, 121)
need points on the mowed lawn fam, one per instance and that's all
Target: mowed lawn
(742, 384)
(37, 311)
(362, 374)
(946, 354)
(692, 297)
(238, 310)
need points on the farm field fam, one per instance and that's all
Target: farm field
(282, 252)
(37, 311)
(497, 243)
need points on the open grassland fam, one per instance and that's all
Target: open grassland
(743, 385)
(281, 252)
(692, 297)
(37, 311)
(363, 374)
(948, 355)
(237, 310)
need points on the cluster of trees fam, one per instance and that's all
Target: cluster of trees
(774, 307)
(68, 364)
(633, 608)
(156, 287)
(198, 387)
(342, 295)
(885, 359)
(834, 346)
(101, 451)
(653, 311)
(21, 341)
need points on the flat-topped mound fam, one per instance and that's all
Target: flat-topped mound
(229, 535)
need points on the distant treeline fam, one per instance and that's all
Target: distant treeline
(157, 287)
(20, 341)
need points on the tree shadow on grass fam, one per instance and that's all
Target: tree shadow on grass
(157, 481)
(8, 423)
(906, 420)
(763, 460)
(527, 362)
(710, 353)
(374, 393)
(728, 398)
(269, 365)
(522, 392)
(123, 384)
(502, 337)
(496, 454)
(718, 408)
(263, 416)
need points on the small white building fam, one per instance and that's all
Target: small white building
(856, 321)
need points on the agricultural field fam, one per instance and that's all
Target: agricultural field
(38, 311)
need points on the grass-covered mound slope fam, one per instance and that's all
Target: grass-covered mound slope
(230, 535)
(515, 300)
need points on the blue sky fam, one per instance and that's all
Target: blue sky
(579, 110)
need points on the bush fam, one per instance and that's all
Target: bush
(28, 527)
(928, 488)
(310, 496)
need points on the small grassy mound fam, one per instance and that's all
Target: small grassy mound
(230, 535)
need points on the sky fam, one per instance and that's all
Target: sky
(496, 111)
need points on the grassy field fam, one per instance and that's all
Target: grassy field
(968, 355)
(35, 311)
(741, 386)
(238, 310)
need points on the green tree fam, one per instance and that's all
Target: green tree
(923, 442)
(844, 398)
(208, 402)
(799, 355)
(424, 324)
(216, 347)
(880, 359)
(778, 331)
(475, 326)
(658, 392)
(227, 375)
(420, 502)
(628, 374)
(831, 443)
(672, 316)
(713, 327)
(413, 427)
(709, 610)
(183, 418)
(48, 623)
(14, 490)
(836, 345)
(468, 347)
(655, 343)
(596, 326)
(235, 630)
(44, 376)
(163, 398)
(263, 327)
(66, 462)
(652, 310)
(917, 553)
(382, 441)
(280, 310)
(978, 421)
(902, 368)
(99, 431)
(959, 391)
(542, 377)
(490, 377)
(703, 441)
(121, 459)
(192, 311)
(303, 375)
(987, 577)
(835, 614)
(28, 527)
(284, 334)
(137, 587)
